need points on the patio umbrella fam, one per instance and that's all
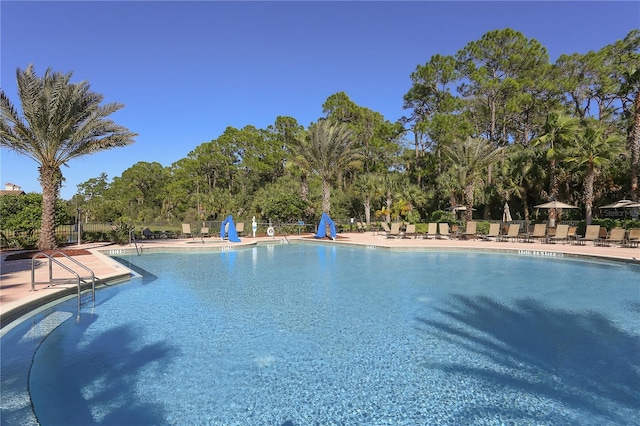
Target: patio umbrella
(555, 205)
(620, 204)
(506, 214)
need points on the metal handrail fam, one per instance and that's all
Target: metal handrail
(86, 268)
(51, 259)
(132, 237)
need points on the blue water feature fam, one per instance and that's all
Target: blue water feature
(307, 334)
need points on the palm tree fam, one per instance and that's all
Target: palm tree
(470, 160)
(368, 187)
(593, 151)
(519, 174)
(328, 151)
(559, 132)
(632, 84)
(61, 121)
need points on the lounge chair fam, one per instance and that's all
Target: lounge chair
(562, 234)
(432, 230)
(539, 232)
(471, 230)
(443, 231)
(394, 231)
(592, 234)
(602, 235)
(239, 228)
(615, 236)
(204, 232)
(385, 228)
(572, 235)
(186, 230)
(410, 230)
(146, 233)
(494, 232)
(512, 234)
(633, 239)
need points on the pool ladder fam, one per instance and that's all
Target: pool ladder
(52, 260)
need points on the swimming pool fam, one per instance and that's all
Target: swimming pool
(323, 334)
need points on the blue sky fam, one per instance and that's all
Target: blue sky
(187, 70)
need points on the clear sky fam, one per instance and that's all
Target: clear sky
(187, 70)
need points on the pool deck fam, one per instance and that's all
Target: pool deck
(17, 299)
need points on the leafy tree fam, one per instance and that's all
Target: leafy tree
(623, 66)
(60, 121)
(278, 203)
(633, 135)
(376, 138)
(90, 198)
(139, 192)
(24, 212)
(521, 175)
(368, 187)
(584, 79)
(433, 105)
(499, 69)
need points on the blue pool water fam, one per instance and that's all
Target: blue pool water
(329, 335)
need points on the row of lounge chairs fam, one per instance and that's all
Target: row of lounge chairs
(563, 233)
(186, 232)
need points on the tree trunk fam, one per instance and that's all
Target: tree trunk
(326, 196)
(304, 187)
(553, 189)
(634, 148)
(417, 142)
(50, 182)
(367, 210)
(389, 203)
(589, 179)
(468, 198)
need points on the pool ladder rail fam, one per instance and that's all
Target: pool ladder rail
(80, 280)
(132, 238)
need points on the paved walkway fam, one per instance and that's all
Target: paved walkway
(16, 297)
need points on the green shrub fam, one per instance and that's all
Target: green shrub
(121, 231)
(95, 236)
(440, 216)
(483, 227)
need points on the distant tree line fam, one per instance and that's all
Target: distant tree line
(496, 122)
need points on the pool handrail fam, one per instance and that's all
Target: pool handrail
(57, 262)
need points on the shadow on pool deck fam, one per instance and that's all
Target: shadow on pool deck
(575, 358)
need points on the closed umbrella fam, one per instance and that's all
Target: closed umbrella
(506, 214)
